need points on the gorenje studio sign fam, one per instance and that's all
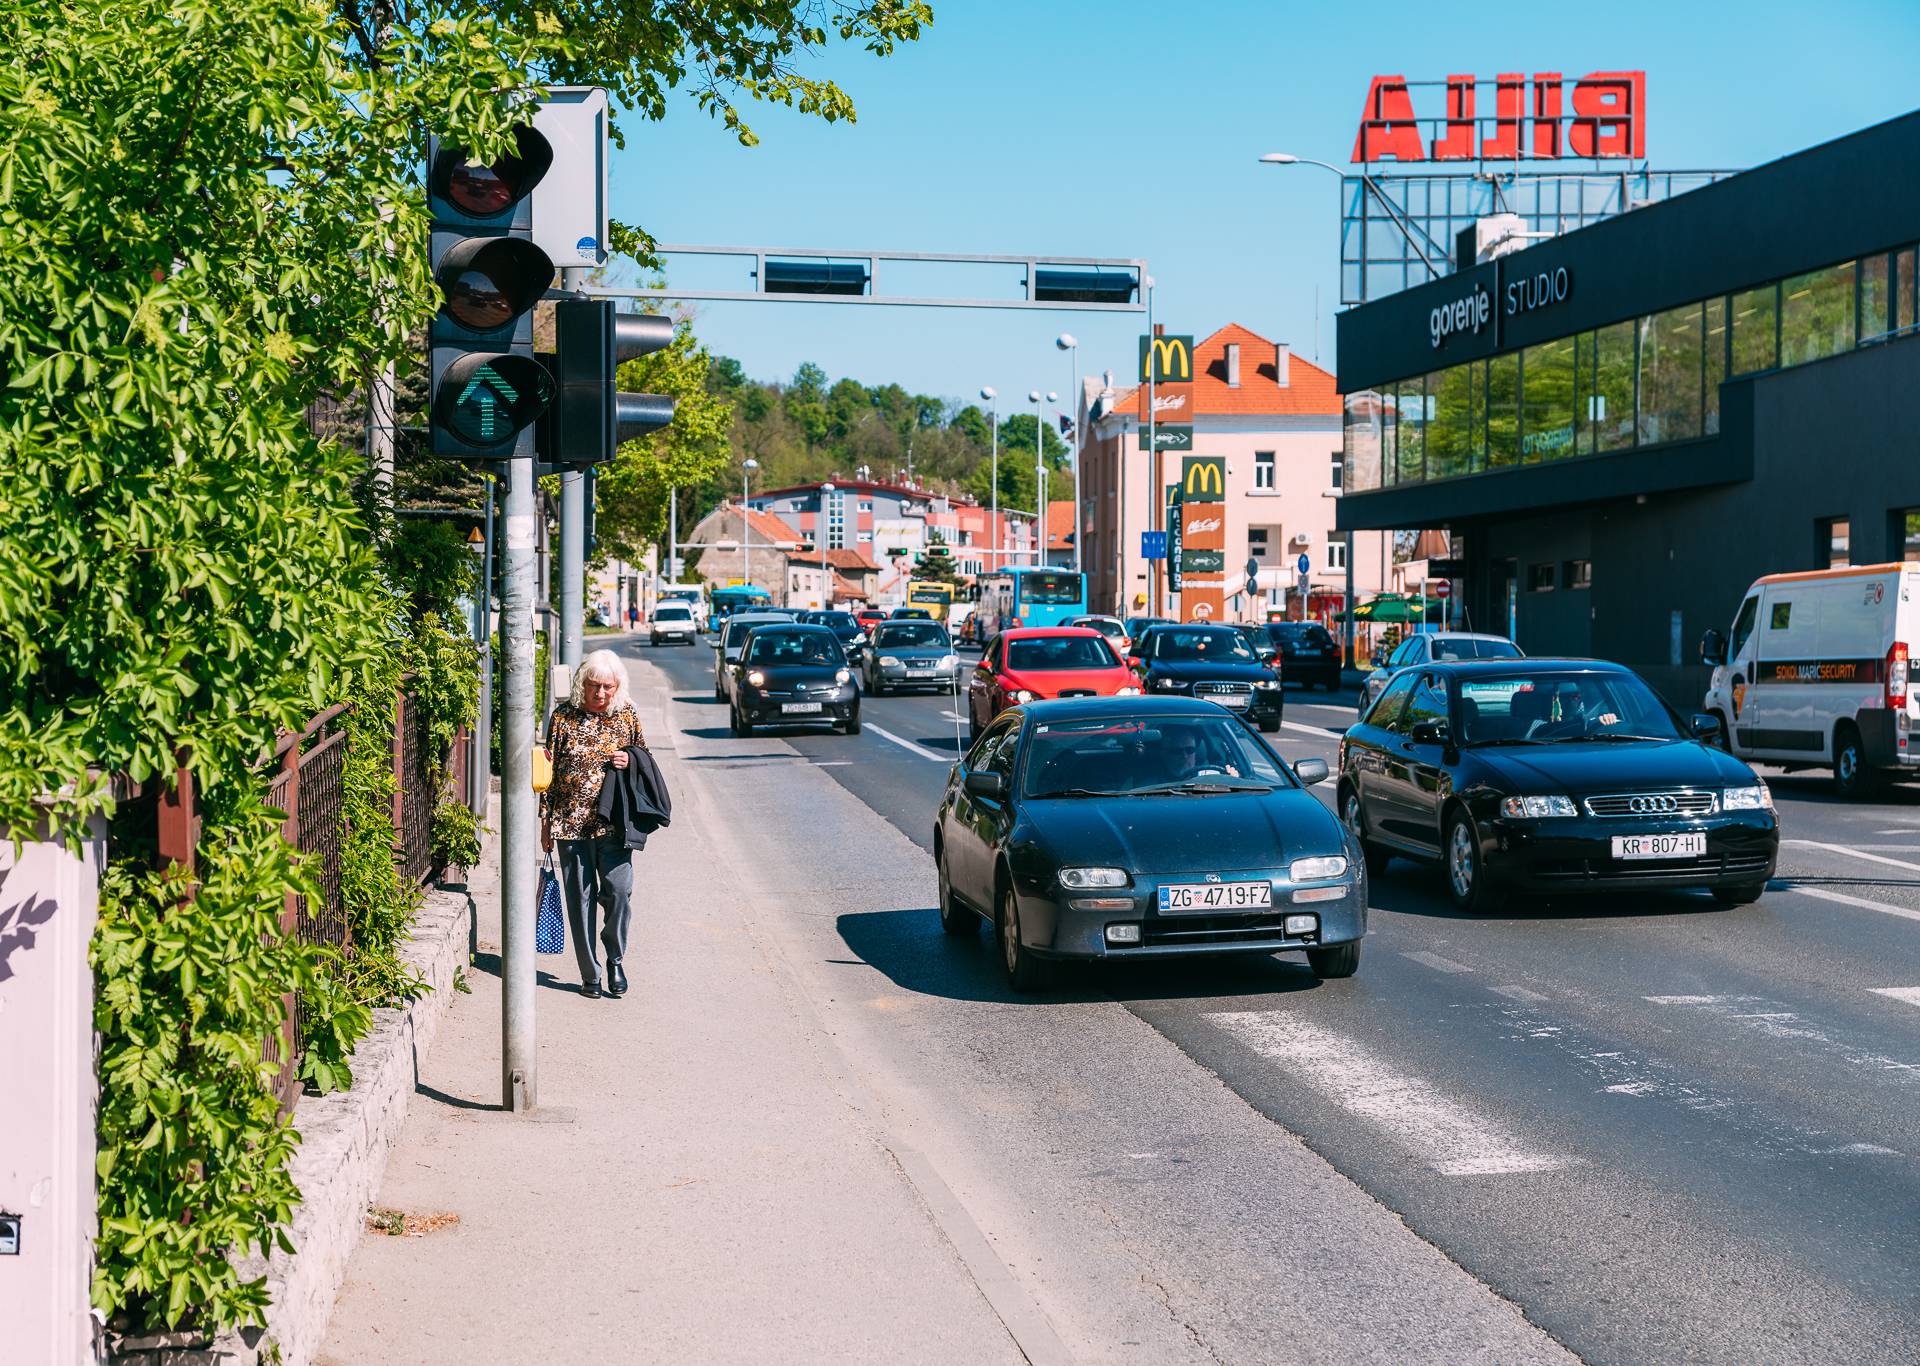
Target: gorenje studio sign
(1472, 311)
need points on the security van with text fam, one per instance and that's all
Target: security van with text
(1814, 673)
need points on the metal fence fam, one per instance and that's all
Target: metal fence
(309, 786)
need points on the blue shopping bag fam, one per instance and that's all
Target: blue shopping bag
(550, 922)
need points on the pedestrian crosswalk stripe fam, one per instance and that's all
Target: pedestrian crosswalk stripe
(1823, 894)
(1407, 1110)
(1911, 995)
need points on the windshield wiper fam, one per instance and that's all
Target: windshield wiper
(1199, 789)
(1615, 735)
(1073, 792)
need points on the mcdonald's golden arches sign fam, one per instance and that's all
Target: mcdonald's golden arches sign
(1203, 479)
(1170, 359)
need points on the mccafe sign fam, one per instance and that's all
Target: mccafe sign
(1521, 291)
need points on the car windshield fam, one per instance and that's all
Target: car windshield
(911, 614)
(1554, 708)
(1127, 756)
(1299, 633)
(1059, 652)
(841, 623)
(1106, 626)
(671, 611)
(1215, 644)
(1458, 647)
(911, 635)
(778, 648)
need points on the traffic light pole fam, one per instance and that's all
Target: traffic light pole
(519, 814)
(573, 533)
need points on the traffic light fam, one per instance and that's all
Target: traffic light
(487, 388)
(590, 418)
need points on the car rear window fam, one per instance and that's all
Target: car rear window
(910, 635)
(1446, 648)
(1059, 652)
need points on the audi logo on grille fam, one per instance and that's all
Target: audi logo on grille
(1653, 806)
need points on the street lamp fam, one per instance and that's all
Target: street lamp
(1068, 343)
(746, 536)
(993, 409)
(1406, 228)
(1040, 473)
(820, 545)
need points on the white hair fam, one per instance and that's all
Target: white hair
(606, 666)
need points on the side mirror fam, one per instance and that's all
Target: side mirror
(1311, 771)
(1713, 648)
(1432, 733)
(992, 786)
(1706, 726)
(1379, 658)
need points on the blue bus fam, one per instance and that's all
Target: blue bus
(723, 602)
(1027, 596)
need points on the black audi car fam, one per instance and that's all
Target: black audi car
(792, 674)
(1138, 827)
(1550, 777)
(1307, 651)
(1214, 664)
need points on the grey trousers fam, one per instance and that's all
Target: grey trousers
(596, 875)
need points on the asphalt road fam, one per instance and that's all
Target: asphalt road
(1663, 1129)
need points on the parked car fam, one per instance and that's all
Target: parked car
(1426, 648)
(1814, 673)
(1114, 629)
(792, 674)
(1550, 777)
(671, 621)
(911, 654)
(731, 640)
(598, 615)
(1144, 827)
(1214, 664)
(1033, 663)
(1308, 653)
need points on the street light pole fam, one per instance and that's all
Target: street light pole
(1039, 479)
(820, 545)
(1066, 342)
(746, 530)
(993, 532)
(1153, 452)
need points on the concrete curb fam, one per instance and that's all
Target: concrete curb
(345, 1138)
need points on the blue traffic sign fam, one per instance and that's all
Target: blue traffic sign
(1303, 564)
(1153, 545)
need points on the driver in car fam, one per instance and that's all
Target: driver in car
(1183, 758)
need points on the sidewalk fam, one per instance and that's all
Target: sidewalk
(696, 1186)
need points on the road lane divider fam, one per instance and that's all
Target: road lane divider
(1864, 903)
(1408, 1111)
(1436, 962)
(905, 743)
(1852, 852)
(1305, 729)
(1911, 995)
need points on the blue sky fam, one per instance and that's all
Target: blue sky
(1129, 129)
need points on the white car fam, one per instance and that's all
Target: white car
(1814, 673)
(671, 621)
(1424, 649)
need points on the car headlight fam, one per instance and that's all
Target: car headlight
(1127, 692)
(1080, 879)
(1168, 685)
(757, 679)
(889, 661)
(1535, 808)
(949, 661)
(859, 637)
(1317, 869)
(1023, 695)
(1267, 683)
(842, 676)
(1747, 799)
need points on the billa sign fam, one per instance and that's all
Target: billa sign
(1203, 537)
(1172, 438)
(1599, 116)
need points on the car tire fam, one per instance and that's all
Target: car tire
(1467, 884)
(955, 919)
(851, 726)
(1851, 776)
(738, 723)
(1336, 960)
(1354, 818)
(1024, 971)
(1744, 895)
(1268, 725)
(877, 688)
(719, 693)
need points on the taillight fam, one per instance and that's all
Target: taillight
(1016, 621)
(1897, 675)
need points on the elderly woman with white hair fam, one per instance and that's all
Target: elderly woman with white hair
(589, 734)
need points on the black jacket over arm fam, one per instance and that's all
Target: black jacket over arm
(634, 799)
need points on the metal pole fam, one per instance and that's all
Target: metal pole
(481, 766)
(746, 539)
(571, 552)
(673, 537)
(1350, 621)
(994, 409)
(519, 818)
(1153, 458)
(1079, 499)
(1120, 525)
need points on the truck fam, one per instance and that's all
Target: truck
(1813, 673)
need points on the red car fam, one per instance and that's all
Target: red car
(869, 617)
(1032, 663)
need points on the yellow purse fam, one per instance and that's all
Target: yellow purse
(542, 769)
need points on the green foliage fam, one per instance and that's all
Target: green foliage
(541, 677)
(456, 835)
(433, 559)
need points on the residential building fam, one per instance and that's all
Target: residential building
(754, 552)
(830, 578)
(1060, 533)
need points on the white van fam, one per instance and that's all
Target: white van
(1814, 673)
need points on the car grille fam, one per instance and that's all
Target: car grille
(1077, 692)
(1219, 929)
(1652, 805)
(1222, 689)
(1677, 870)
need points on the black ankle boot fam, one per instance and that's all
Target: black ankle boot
(590, 990)
(616, 979)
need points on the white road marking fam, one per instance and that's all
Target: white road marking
(952, 716)
(832, 763)
(1859, 901)
(921, 750)
(1518, 993)
(1320, 731)
(1446, 1135)
(1436, 962)
(1911, 995)
(1755, 1012)
(1856, 853)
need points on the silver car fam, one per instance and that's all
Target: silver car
(1425, 649)
(732, 639)
(910, 654)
